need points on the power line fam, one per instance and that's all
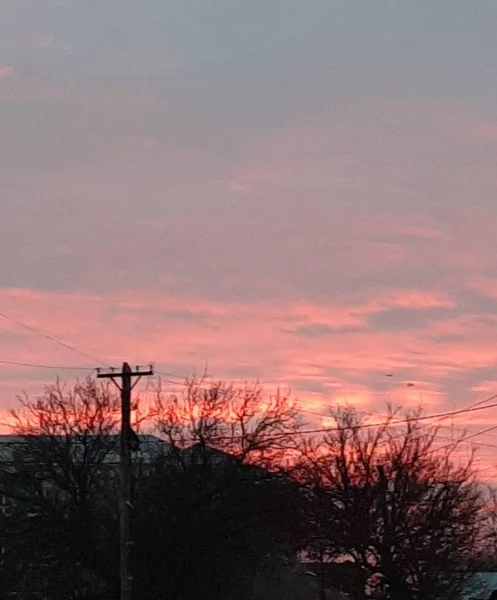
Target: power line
(51, 338)
(476, 407)
(479, 403)
(470, 408)
(183, 382)
(315, 413)
(392, 423)
(372, 414)
(384, 417)
(399, 421)
(37, 366)
(462, 440)
(182, 377)
(456, 442)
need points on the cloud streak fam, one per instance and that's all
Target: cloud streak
(335, 347)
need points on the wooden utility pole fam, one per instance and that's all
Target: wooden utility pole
(127, 439)
(396, 584)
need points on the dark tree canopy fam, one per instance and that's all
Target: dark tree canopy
(408, 511)
(227, 495)
(208, 516)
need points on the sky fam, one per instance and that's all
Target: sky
(302, 193)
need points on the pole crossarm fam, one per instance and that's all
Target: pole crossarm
(112, 373)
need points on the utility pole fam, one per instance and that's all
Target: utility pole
(127, 439)
(386, 542)
(397, 587)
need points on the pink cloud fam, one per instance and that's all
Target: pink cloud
(5, 72)
(485, 387)
(483, 132)
(246, 341)
(263, 340)
(485, 285)
(414, 299)
(413, 227)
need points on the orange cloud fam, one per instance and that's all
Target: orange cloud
(313, 344)
(342, 361)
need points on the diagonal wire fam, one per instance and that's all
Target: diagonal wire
(37, 366)
(51, 338)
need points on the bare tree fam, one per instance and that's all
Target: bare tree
(486, 558)
(405, 509)
(208, 514)
(218, 492)
(243, 422)
(58, 478)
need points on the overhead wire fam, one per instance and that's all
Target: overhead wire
(38, 366)
(377, 415)
(182, 381)
(401, 421)
(475, 407)
(167, 374)
(51, 338)
(437, 417)
(370, 425)
(478, 406)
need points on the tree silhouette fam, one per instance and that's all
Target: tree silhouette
(208, 515)
(405, 509)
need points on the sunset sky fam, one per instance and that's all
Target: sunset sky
(303, 192)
